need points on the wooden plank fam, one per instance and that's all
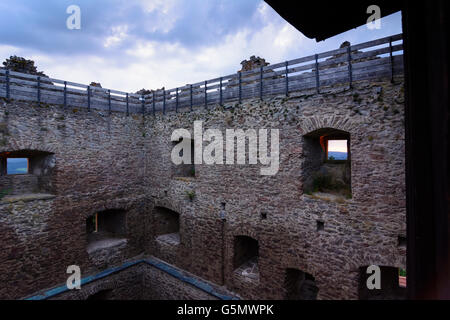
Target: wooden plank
(376, 42)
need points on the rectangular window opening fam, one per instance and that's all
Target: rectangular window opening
(17, 166)
(337, 150)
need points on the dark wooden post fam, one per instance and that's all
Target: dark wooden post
(153, 103)
(176, 105)
(317, 73)
(7, 85)
(164, 101)
(39, 90)
(261, 82)
(89, 97)
(191, 96)
(65, 94)
(206, 94)
(240, 86)
(220, 92)
(391, 60)
(287, 78)
(349, 60)
(109, 101)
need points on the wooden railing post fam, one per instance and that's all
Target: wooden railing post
(240, 87)
(109, 101)
(391, 57)
(220, 90)
(7, 85)
(153, 103)
(65, 94)
(349, 60)
(287, 78)
(206, 94)
(164, 101)
(89, 97)
(128, 107)
(317, 73)
(261, 83)
(39, 89)
(176, 105)
(191, 96)
(143, 104)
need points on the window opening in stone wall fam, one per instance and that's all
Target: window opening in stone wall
(337, 150)
(246, 253)
(327, 164)
(104, 228)
(300, 285)
(167, 225)
(17, 166)
(26, 174)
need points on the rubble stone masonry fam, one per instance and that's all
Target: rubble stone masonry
(113, 161)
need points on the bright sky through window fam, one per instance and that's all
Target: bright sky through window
(337, 149)
(17, 165)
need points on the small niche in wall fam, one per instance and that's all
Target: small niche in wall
(299, 285)
(401, 241)
(106, 228)
(26, 173)
(166, 225)
(320, 225)
(327, 164)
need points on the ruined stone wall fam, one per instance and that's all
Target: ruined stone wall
(275, 210)
(99, 164)
(118, 162)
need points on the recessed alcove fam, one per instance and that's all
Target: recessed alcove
(300, 285)
(106, 229)
(166, 225)
(327, 164)
(245, 259)
(26, 175)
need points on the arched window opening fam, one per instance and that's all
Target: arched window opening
(300, 285)
(327, 164)
(246, 253)
(166, 225)
(106, 228)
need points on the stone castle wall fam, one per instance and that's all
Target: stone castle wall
(119, 162)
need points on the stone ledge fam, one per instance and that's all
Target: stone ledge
(330, 197)
(170, 238)
(105, 244)
(184, 179)
(27, 197)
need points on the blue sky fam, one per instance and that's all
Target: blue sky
(132, 44)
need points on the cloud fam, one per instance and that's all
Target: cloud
(133, 44)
